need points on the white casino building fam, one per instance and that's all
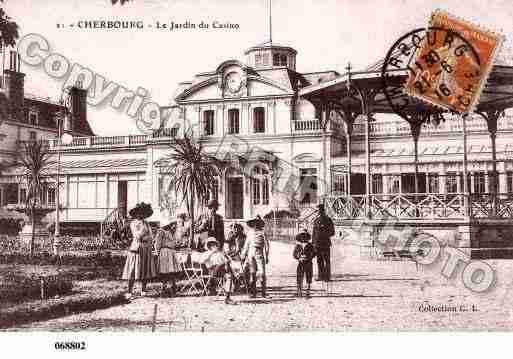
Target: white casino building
(253, 115)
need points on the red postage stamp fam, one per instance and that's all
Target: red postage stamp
(452, 63)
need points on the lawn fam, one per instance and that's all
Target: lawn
(65, 288)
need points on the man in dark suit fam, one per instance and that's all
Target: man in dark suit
(323, 230)
(213, 223)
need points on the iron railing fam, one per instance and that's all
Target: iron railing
(420, 206)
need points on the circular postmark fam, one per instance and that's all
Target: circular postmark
(430, 68)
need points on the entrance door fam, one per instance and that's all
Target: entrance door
(122, 198)
(235, 198)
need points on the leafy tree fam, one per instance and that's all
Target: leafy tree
(192, 172)
(8, 29)
(34, 162)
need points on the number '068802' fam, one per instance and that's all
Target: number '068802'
(70, 345)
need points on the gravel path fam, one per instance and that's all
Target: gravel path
(364, 295)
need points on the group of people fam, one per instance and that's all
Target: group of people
(247, 254)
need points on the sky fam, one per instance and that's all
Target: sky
(326, 33)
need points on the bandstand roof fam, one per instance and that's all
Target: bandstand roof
(498, 92)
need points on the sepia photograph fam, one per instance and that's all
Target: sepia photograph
(270, 166)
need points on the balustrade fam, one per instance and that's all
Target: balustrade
(306, 125)
(420, 206)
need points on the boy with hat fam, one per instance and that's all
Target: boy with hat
(255, 254)
(218, 265)
(304, 253)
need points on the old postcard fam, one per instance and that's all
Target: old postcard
(255, 166)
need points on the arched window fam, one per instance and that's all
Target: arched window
(213, 193)
(260, 186)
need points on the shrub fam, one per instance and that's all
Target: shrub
(16, 287)
(98, 259)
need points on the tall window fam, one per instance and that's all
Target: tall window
(479, 182)
(394, 184)
(276, 60)
(208, 123)
(32, 135)
(377, 183)
(339, 183)
(451, 183)
(214, 191)
(51, 195)
(233, 121)
(23, 195)
(433, 182)
(265, 59)
(258, 60)
(308, 185)
(259, 120)
(279, 60)
(509, 182)
(260, 186)
(33, 117)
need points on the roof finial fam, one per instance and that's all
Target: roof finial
(348, 68)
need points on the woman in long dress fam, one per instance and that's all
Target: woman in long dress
(139, 265)
(168, 266)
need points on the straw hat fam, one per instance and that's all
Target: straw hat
(256, 222)
(211, 240)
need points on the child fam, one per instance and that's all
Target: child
(218, 264)
(304, 253)
(256, 254)
(235, 241)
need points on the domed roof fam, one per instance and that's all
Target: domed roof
(268, 45)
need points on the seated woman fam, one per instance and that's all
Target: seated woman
(218, 265)
(167, 264)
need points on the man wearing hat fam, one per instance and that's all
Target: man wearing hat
(323, 230)
(213, 223)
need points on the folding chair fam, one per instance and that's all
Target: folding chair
(194, 282)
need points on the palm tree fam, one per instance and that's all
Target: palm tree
(192, 172)
(8, 29)
(34, 162)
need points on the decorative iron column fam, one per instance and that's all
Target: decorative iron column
(491, 117)
(466, 193)
(349, 118)
(415, 127)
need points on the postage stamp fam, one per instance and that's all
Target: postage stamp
(447, 72)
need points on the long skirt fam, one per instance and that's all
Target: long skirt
(139, 265)
(168, 262)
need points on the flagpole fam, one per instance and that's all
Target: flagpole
(270, 22)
